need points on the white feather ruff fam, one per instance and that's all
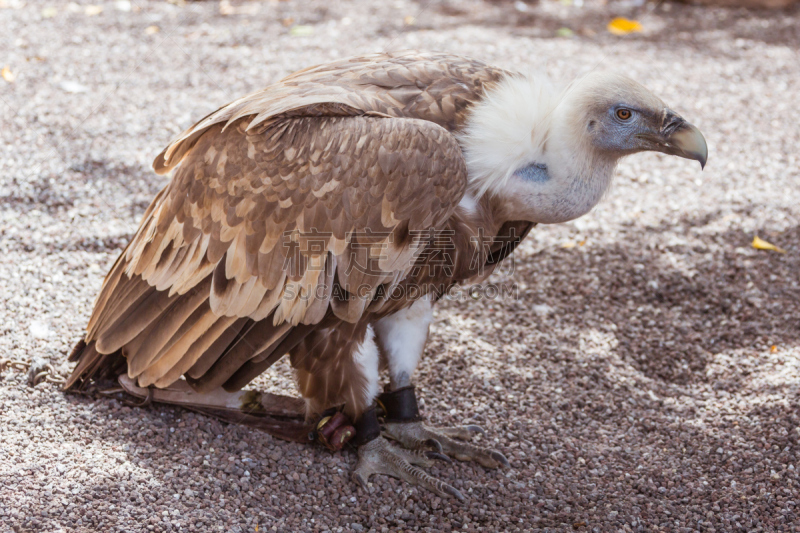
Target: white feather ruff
(507, 130)
(526, 120)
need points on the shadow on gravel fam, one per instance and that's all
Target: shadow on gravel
(685, 314)
(675, 305)
(52, 193)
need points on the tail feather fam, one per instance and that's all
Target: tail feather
(92, 365)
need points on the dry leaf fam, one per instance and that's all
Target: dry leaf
(49, 12)
(773, 349)
(568, 244)
(623, 26)
(150, 30)
(761, 244)
(287, 22)
(409, 21)
(92, 10)
(7, 74)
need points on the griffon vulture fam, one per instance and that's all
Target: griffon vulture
(323, 216)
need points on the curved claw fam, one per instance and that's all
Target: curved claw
(437, 455)
(358, 478)
(454, 492)
(500, 458)
(435, 443)
(472, 428)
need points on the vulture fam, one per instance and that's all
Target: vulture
(323, 217)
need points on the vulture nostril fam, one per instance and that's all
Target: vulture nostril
(672, 124)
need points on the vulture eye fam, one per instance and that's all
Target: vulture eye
(624, 114)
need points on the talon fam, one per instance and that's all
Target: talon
(435, 443)
(437, 455)
(500, 458)
(360, 480)
(454, 492)
(472, 428)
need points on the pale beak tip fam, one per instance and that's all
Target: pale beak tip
(688, 142)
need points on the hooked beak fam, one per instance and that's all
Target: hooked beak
(680, 138)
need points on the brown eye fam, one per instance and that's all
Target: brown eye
(624, 114)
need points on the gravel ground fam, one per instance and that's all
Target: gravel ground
(643, 377)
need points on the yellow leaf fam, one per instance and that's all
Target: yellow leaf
(409, 21)
(91, 10)
(773, 349)
(568, 244)
(7, 74)
(150, 30)
(623, 26)
(301, 30)
(761, 244)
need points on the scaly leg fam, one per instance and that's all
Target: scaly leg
(402, 338)
(416, 436)
(354, 382)
(379, 456)
(404, 425)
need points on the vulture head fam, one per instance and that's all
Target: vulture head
(548, 155)
(620, 117)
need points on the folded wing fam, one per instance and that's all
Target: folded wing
(264, 232)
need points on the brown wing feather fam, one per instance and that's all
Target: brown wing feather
(435, 87)
(264, 216)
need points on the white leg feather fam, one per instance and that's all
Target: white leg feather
(366, 357)
(402, 338)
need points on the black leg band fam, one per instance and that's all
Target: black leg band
(400, 405)
(367, 427)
